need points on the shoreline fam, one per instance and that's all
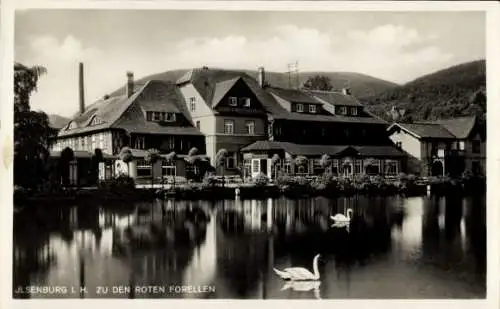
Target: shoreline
(291, 188)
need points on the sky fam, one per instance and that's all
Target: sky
(395, 46)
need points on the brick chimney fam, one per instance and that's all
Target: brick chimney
(81, 88)
(262, 77)
(130, 84)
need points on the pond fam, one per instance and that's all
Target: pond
(394, 247)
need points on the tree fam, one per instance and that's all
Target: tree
(32, 133)
(220, 160)
(127, 157)
(318, 82)
(325, 161)
(152, 156)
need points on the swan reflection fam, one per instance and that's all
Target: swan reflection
(303, 286)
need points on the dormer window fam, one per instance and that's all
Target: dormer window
(246, 102)
(160, 116)
(354, 111)
(71, 126)
(95, 121)
(233, 101)
(300, 108)
(312, 108)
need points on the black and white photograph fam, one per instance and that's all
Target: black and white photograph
(249, 154)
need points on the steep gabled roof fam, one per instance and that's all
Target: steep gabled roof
(293, 95)
(455, 128)
(334, 98)
(460, 127)
(117, 112)
(221, 88)
(422, 130)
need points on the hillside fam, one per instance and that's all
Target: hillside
(456, 91)
(361, 85)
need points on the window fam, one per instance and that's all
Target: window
(399, 144)
(192, 104)
(246, 102)
(300, 108)
(230, 161)
(156, 116)
(255, 166)
(233, 101)
(335, 166)
(454, 145)
(391, 167)
(229, 126)
(250, 127)
(149, 116)
(143, 168)
(94, 143)
(139, 142)
(171, 143)
(168, 168)
(461, 145)
(82, 142)
(312, 108)
(101, 140)
(198, 125)
(357, 167)
(170, 117)
(476, 146)
(354, 111)
(95, 121)
(343, 110)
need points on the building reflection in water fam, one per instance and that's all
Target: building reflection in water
(234, 244)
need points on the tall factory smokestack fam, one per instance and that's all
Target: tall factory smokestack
(262, 77)
(81, 87)
(130, 84)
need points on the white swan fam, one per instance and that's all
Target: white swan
(300, 273)
(342, 217)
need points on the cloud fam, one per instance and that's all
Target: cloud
(389, 51)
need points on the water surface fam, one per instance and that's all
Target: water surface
(421, 247)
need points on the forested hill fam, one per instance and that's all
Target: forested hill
(361, 85)
(453, 92)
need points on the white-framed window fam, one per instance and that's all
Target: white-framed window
(192, 104)
(255, 166)
(250, 127)
(246, 102)
(228, 126)
(461, 145)
(143, 168)
(95, 121)
(312, 108)
(343, 110)
(233, 101)
(354, 111)
(168, 168)
(94, 142)
(300, 108)
(156, 116)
